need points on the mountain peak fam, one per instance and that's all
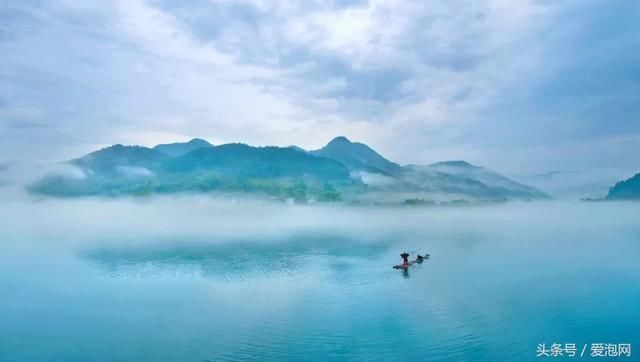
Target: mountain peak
(180, 148)
(340, 139)
(199, 141)
(357, 156)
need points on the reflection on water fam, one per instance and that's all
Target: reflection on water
(237, 260)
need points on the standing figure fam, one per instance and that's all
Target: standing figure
(405, 259)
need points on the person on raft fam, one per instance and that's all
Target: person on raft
(419, 258)
(405, 258)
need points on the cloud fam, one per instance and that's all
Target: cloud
(458, 79)
(67, 170)
(135, 172)
(375, 179)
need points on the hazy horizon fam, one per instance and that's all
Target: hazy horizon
(593, 183)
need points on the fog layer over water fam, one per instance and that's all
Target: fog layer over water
(197, 278)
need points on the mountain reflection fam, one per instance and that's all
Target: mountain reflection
(235, 260)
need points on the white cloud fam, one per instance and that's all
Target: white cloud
(135, 172)
(428, 73)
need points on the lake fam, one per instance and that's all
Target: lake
(199, 279)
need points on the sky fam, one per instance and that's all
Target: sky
(520, 86)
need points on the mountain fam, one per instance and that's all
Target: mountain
(114, 170)
(428, 179)
(453, 177)
(240, 160)
(134, 170)
(118, 158)
(628, 189)
(357, 157)
(340, 170)
(180, 148)
(497, 183)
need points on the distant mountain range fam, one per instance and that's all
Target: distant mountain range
(341, 170)
(572, 184)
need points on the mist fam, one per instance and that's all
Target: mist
(216, 219)
(209, 272)
(319, 180)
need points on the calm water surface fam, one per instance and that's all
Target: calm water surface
(136, 281)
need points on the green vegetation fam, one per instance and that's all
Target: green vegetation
(341, 171)
(180, 148)
(358, 156)
(626, 190)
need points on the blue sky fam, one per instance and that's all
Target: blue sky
(521, 86)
